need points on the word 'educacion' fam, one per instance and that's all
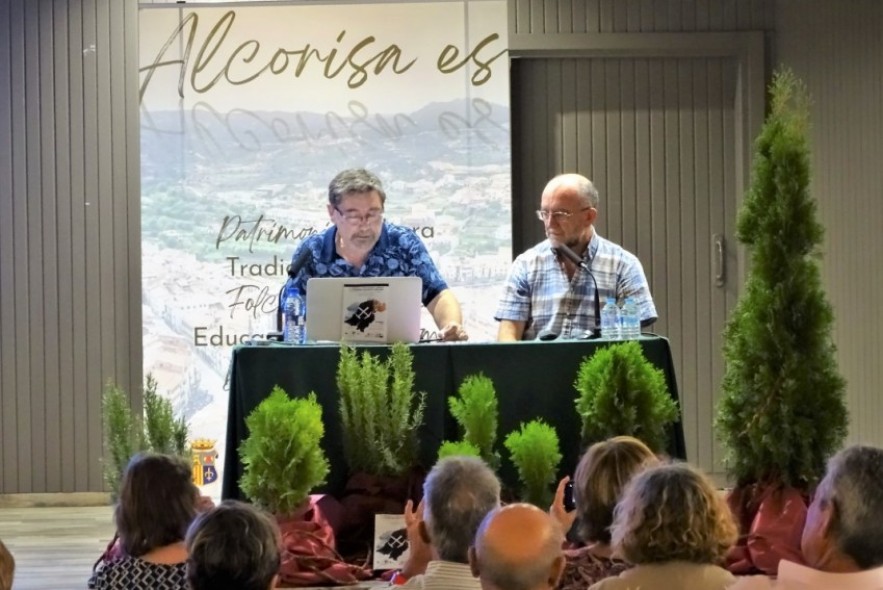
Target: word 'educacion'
(242, 63)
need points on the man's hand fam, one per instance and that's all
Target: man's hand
(420, 552)
(454, 332)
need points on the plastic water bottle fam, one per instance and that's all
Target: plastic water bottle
(294, 316)
(629, 321)
(610, 324)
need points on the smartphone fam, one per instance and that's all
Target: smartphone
(568, 497)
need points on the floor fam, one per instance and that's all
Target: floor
(54, 548)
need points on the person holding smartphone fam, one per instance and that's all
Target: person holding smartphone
(599, 480)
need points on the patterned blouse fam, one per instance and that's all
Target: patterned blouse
(397, 253)
(131, 573)
(582, 569)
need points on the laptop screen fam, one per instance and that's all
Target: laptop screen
(364, 309)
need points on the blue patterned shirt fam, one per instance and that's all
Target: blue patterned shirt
(397, 253)
(538, 291)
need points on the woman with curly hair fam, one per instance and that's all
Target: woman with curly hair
(158, 500)
(600, 478)
(675, 528)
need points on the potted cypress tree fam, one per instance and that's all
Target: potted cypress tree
(283, 462)
(782, 413)
(535, 452)
(622, 393)
(476, 410)
(281, 457)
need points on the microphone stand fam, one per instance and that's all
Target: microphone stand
(580, 263)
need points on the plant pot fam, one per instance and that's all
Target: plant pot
(770, 518)
(309, 557)
(366, 495)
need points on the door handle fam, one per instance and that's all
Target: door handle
(720, 259)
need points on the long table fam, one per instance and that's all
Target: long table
(532, 380)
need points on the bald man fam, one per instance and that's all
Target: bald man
(518, 547)
(547, 293)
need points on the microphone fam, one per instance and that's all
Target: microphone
(296, 265)
(565, 251)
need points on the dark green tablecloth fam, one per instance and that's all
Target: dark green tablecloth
(532, 380)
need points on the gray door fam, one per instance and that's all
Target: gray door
(657, 137)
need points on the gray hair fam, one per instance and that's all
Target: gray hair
(585, 189)
(458, 493)
(233, 545)
(354, 180)
(854, 485)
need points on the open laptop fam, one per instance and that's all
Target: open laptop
(381, 310)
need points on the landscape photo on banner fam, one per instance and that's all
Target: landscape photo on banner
(248, 111)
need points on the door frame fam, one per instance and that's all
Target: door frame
(745, 48)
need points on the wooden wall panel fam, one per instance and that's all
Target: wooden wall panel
(839, 55)
(543, 17)
(69, 233)
(649, 133)
(8, 399)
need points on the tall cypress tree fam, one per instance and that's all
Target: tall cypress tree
(782, 413)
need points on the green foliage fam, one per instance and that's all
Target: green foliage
(122, 435)
(535, 453)
(163, 433)
(622, 393)
(126, 432)
(782, 412)
(282, 459)
(457, 449)
(379, 410)
(476, 410)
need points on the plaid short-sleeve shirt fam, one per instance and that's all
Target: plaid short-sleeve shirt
(538, 291)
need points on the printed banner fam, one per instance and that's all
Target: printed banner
(246, 115)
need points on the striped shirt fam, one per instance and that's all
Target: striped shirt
(444, 575)
(538, 291)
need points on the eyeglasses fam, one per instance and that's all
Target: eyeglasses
(359, 219)
(544, 215)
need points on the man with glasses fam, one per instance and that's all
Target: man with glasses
(362, 244)
(548, 293)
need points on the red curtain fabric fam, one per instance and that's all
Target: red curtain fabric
(309, 557)
(771, 519)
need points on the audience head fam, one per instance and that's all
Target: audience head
(156, 504)
(457, 494)
(518, 547)
(672, 513)
(354, 180)
(233, 547)
(7, 568)
(599, 480)
(842, 531)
